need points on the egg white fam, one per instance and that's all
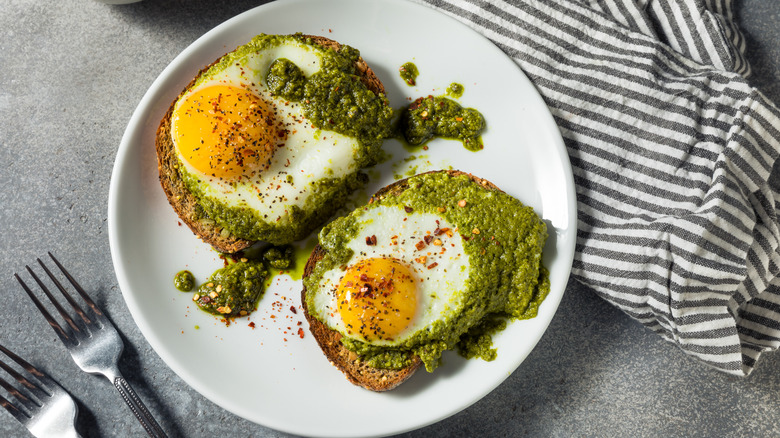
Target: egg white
(308, 154)
(439, 288)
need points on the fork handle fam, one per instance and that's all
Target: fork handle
(138, 408)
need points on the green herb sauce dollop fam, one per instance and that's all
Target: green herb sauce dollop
(429, 117)
(409, 73)
(184, 281)
(232, 291)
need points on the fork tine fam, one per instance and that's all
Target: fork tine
(63, 335)
(27, 402)
(43, 406)
(65, 315)
(10, 407)
(38, 391)
(64, 292)
(45, 381)
(30, 386)
(78, 287)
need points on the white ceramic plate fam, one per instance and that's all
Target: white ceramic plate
(268, 374)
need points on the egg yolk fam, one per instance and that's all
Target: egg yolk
(224, 132)
(377, 298)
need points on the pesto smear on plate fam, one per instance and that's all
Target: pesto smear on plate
(409, 73)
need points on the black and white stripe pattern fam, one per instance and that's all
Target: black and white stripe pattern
(673, 156)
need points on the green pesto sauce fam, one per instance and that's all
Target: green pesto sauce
(284, 259)
(507, 279)
(455, 90)
(326, 195)
(333, 99)
(478, 342)
(184, 281)
(422, 164)
(409, 73)
(429, 117)
(232, 291)
(300, 257)
(411, 171)
(279, 257)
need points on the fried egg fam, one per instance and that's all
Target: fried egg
(407, 271)
(432, 263)
(258, 166)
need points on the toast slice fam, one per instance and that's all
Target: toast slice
(356, 371)
(183, 201)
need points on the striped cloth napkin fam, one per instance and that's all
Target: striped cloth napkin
(673, 155)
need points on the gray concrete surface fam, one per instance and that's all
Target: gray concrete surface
(71, 74)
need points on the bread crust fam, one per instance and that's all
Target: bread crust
(183, 201)
(356, 371)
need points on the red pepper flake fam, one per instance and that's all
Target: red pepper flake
(440, 231)
(371, 240)
(408, 209)
(433, 265)
(420, 245)
(293, 309)
(428, 239)
(300, 332)
(251, 324)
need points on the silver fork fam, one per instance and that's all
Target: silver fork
(44, 408)
(93, 342)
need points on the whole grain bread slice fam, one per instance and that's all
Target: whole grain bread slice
(183, 201)
(355, 370)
